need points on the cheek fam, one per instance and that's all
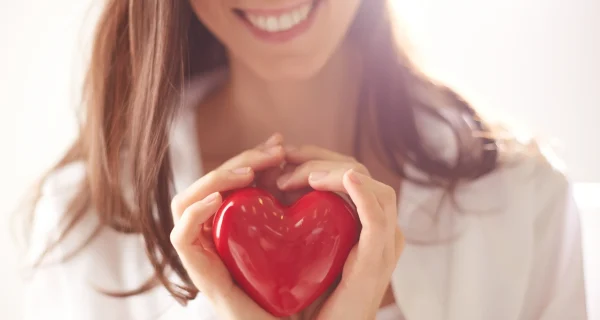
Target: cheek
(217, 17)
(339, 16)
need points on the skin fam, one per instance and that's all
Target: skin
(312, 79)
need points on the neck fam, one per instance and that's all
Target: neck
(318, 110)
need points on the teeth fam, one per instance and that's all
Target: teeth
(286, 21)
(272, 24)
(282, 22)
(297, 16)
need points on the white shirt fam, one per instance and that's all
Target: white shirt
(512, 253)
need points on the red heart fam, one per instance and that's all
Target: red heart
(284, 257)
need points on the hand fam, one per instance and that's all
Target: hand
(370, 264)
(192, 210)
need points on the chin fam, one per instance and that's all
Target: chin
(290, 74)
(291, 71)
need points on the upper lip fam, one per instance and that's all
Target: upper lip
(276, 11)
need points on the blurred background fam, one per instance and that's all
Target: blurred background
(532, 63)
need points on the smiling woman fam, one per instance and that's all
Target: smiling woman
(180, 99)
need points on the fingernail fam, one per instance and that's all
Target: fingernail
(354, 177)
(283, 179)
(273, 150)
(244, 170)
(290, 148)
(273, 140)
(315, 176)
(210, 198)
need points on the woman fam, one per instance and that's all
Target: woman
(179, 99)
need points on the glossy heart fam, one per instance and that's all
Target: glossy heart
(284, 257)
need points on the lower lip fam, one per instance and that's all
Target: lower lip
(287, 35)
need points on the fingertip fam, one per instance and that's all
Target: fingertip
(276, 150)
(274, 139)
(242, 171)
(317, 175)
(219, 200)
(276, 157)
(243, 174)
(351, 178)
(283, 180)
(314, 183)
(278, 137)
(211, 198)
(318, 185)
(317, 179)
(355, 189)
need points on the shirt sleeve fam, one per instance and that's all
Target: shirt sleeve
(74, 289)
(558, 256)
(57, 289)
(48, 291)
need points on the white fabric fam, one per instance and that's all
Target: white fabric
(512, 253)
(391, 312)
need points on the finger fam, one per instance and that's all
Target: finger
(300, 176)
(217, 180)
(267, 150)
(361, 188)
(187, 229)
(377, 210)
(399, 241)
(334, 181)
(256, 159)
(306, 153)
(393, 248)
(191, 247)
(234, 173)
(273, 140)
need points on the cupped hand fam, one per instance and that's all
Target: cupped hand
(192, 211)
(370, 264)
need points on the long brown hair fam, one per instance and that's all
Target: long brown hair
(146, 51)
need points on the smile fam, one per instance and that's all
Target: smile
(279, 24)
